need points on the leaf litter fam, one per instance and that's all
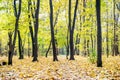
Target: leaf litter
(46, 69)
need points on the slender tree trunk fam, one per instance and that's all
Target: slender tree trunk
(85, 53)
(55, 22)
(48, 49)
(85, 49)
(10, 48)
(88, 48)
(107, 46)
(115, 45)
(28, 46)
(114, 29)
(91, 36)
(72, 29)
(77, 44)
(20, 46)
(12, 43)
(99, 34)
(36, 24)
(68, 44)
(52, 32)
(30, 23)
(92, 42)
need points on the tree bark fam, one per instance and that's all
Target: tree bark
(115, 45)
(34, 34)
(20, 46)
(55, 22)
(107, 46)
(85, 49)
(28, 46)
(36, 24)
(88, 52)
(72, 29)
(99, 34)
(77, 43)
(10, 48)
(52, 32)
(12, 43)
(30, 12)
(48, 49)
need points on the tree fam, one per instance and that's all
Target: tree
(99, 35)
(12, 42)
(52, 31)
(20, 46)
(34, 34)
(36, 24)
(55, 22)
(115, 45)
(30, 12)
(107, 39)
(71, 28)
(84, 6)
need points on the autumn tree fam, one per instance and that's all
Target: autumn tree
(55, 22)
(11, 44)
(71, 28)
(30, 14)
(34, 30)
(20, 46)
(52, 31)
(99, 35)
(107, 36)
(115, 49)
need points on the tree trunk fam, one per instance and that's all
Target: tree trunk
(28, 46)
(85, 49)
(72, 29)
(115, 45)
(48, 49)
(99, 35)
(20, 46)
(107, 46)
(10, 48)
(52, 31)
(30, 24)
(36, 24)
(71, 46)
(68, 44)
(55, 22)
(77, 44)
(91, 36)
(88, 48)
(12, 43)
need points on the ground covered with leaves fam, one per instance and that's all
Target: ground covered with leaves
(46, 69)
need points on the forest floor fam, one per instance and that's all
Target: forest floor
(46, 69)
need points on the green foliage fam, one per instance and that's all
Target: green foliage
(93, 57)
(85, 28)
